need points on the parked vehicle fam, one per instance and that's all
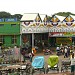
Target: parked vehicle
(38, 64)
(53, 63)
(65, 65)
(47, 51)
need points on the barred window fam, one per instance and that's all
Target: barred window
(1, 25)
(14, 39)
(1, 39)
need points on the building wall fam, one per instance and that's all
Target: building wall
(18, 40)
(8, 41)
(8, 29)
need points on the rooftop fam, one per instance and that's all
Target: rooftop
(29, 16)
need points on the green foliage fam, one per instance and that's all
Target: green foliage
(18, 16)
(49, 18)
(4, 14)
(65, 14)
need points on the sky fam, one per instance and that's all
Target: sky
(48, 7)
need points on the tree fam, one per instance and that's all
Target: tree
(49, 18)
(18, 16)
(4, 14)
(65, 14)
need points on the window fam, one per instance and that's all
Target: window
(1, 39)
(1, 25)
(14, 39)
(13, 24)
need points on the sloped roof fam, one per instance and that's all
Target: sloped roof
(73, 17)
(61, 18)
(42, 16)
(29, 16)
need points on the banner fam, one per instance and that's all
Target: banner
(68, 33)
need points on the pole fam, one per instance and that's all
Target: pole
(32, 40)
(32, 44)
(20, 40)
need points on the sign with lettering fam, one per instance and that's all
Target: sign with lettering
(64, 41)
(54, 34)
(10, 19)
(1, 19)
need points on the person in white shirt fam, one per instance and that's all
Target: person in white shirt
(57, 48)
(65, 50)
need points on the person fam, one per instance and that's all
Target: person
(34, 50)
(68, 51)
(57, 48)
(30, 55)
(72, 64)
(65, 50)
(61, 46)
(43, 45)
(62, 50)
(23, 53)
(16, 53)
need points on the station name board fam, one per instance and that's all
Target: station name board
(10, 19)
(1, 19)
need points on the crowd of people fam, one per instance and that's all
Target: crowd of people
(68, 51)
(65, 50)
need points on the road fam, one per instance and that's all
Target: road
(52, 72)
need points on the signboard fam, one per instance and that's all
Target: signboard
(63, 34)
(64, 40)
(10, 19)
(1, 19)
(54, 34)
